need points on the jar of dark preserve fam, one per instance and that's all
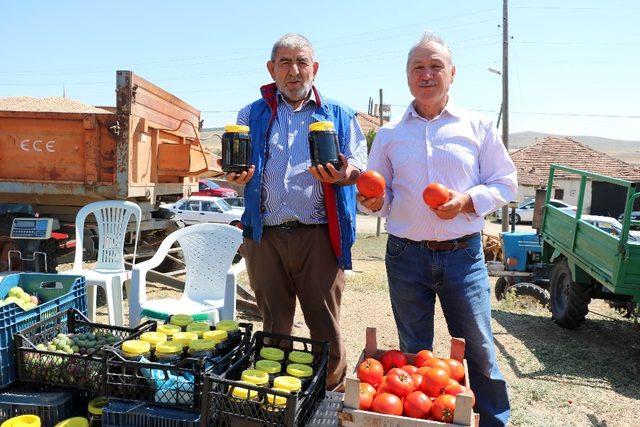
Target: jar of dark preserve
(236, 149)
(323, 144)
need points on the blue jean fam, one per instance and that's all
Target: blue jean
(459, 278)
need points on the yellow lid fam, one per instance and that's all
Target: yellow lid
(181, 320)
(169, 348)
(168, 329)
(74, 422)
(299, 370)
(136, 347)
(22, 421)
(227, 325)
(184, 338)
(255, 376)
(202, 345)
(153, 338)
(272, 353)
(289, 383)
(236, 128)
(318, 126)
(301, 357)
(217, 336)
(198, 327)
(268, 366)
(96, 405)
(278, 400)
(243, 393)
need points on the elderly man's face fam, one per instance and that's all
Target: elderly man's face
(293, 71)
(430, 73)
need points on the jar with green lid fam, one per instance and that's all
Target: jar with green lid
(153, 338)
(23, 421)
(271, 367)
(288, 382)
(255, 376)
(74, 422)
(272, 353)
(94, 409)
(135, 350)
(302, 357)
(184, 338)
(202, 348)
(233, 331)
(169, 352)
(181, 320)
(243, 393)
(169, 330)
(198, 328)
(303, 372)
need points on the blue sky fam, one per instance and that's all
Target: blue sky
(574, 65)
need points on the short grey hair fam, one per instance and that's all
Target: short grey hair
(292, 41)
(428, 37)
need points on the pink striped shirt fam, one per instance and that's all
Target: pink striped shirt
(459, 149)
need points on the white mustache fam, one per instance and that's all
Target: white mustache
(427, 83)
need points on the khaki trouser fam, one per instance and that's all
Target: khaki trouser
(299, 262)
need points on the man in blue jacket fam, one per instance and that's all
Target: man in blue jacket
(299, 220)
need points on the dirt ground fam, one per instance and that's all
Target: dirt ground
(556, 377)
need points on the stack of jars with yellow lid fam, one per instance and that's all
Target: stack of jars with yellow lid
(292, 374)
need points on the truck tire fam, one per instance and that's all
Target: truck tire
(517, 219)
(569, 300)
(500, 288)
(531, 292)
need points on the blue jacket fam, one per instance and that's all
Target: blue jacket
(340, 201)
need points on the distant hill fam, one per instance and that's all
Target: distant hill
(628, 151)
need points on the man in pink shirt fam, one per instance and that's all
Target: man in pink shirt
(438, 251)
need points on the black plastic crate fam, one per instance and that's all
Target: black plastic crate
(179, 385)
(52, 406)
(134, 414)
(82, 371)
(220, 408)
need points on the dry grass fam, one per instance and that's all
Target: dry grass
(556, 377)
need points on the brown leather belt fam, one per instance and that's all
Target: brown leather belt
(446, 245)
(290, 225)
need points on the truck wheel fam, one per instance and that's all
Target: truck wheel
(569, 299)
(500, 288)
(530, 293)
(517, 219)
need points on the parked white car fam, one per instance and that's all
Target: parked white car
(197, 209)
(610, 225)
(524, 211)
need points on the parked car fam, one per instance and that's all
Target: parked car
(524, 211)
(236, 202)
(207, 187)
(197, 209)
(635, 216)
(610, 225)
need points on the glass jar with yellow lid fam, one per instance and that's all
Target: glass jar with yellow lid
(201, 348)
(272, 353)
(95, 409)
(302, 357)
(184, 338)
(135, 350)
(169, 330)
(153, 338)
(275, 402)
(198, 328)
(255, 376)
(236, 149)
(23, 421)
(302, 372)
(181, 320)
(169, 352)
(243, 393)
(233, 330)
(271, 367)
(74, 422)
(288, 382)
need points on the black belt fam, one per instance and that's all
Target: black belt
(290, 225)
(445, 245)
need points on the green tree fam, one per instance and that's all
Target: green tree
(370, 137)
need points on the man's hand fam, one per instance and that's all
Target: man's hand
(459, 202)
(374, 204)
(238, 178)
(329, 173)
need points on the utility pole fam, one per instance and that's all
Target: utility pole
(505, 96)
(379, 222)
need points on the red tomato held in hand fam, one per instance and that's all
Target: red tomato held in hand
(410, 369)
(422, 356)
(443, 408)
(371, 184)
(438, 363)
(370, 371)
(399, 383)
(387, 403)
(457, 369)
(434, 381)
(367, 393)
(393, 359)
(435, 195)
(417, 405)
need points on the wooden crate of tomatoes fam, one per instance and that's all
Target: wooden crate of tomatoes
(392, 388)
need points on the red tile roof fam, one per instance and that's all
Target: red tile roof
(368, 122)
(533, 162)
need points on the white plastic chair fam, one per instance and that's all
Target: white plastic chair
(210, 285)
(112, 218)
